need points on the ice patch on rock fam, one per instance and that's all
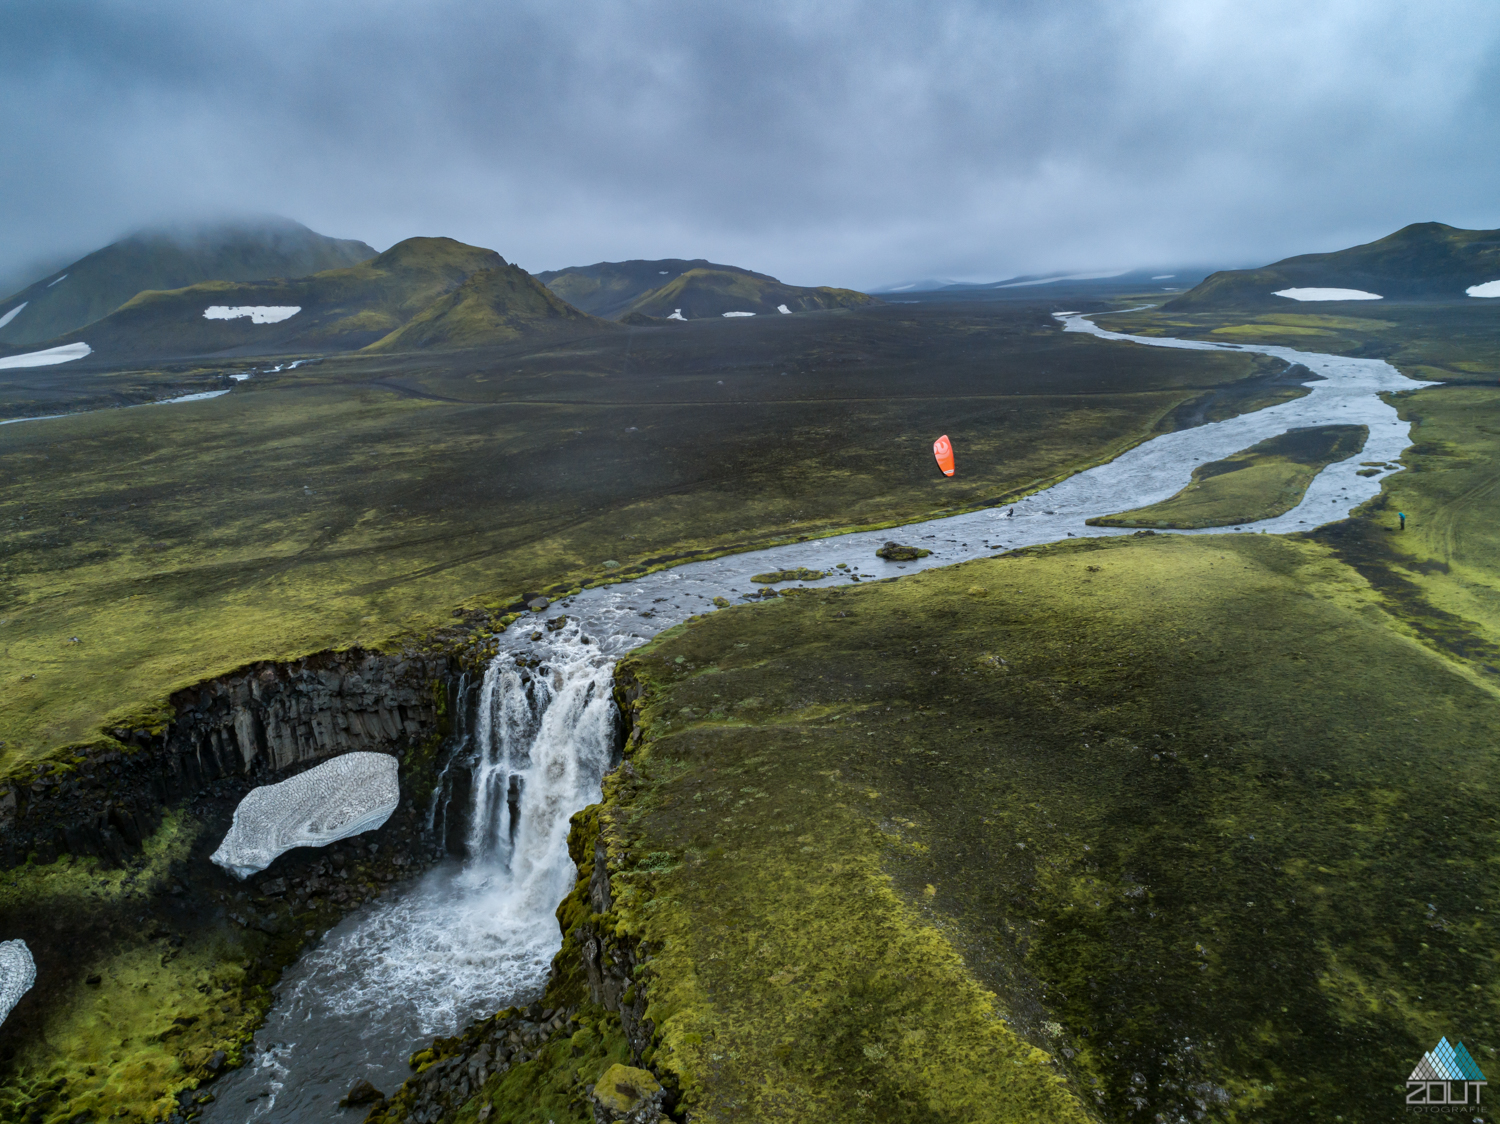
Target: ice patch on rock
(258, 313)
(1328, 295)
(17, 974)
(346, 796)
(783, 309)
(11, 315)
(1488, 289)
(63, 354)
(739, 314)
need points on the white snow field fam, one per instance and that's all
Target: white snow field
(1328, 295)
(17, 974)
(739, 314)
(63, 354)
(258, 313)
(11, 315)
(1488, 289)
(354, 793)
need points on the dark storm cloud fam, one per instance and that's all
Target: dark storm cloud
(849, 143)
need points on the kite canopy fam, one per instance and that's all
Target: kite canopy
(942, 449)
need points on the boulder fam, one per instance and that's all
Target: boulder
(628, 1095)
(900, 552)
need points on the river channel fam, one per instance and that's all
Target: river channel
(474, 936)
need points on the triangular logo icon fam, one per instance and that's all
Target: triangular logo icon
(1445, 1061)
(1466, 1064)
(1426, 1070)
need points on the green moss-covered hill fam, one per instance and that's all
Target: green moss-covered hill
(1067, 798)
(1423, 261)
(493, 306)
(96, 285)
(696, 288)
(340, 309)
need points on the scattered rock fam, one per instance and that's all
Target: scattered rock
(629, 1095)
(361, 1092)
(555, 623)
(538, 604)
(800, 574)
(900, 552)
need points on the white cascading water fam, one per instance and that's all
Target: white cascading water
(469, 938)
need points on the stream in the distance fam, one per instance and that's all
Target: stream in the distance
(471, 937)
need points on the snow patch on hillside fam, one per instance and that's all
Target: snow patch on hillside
(739, 314)
(11, 315)
(258, 313)
(1488, 289)
(1328, 295)
(63, 354)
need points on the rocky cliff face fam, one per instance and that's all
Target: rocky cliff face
(255, 725)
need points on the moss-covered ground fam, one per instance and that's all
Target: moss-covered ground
(151, 977)
(1124, 801)
(367, 498)
(1261, 482)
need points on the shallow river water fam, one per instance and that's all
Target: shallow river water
(472, 937)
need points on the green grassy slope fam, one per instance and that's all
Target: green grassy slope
(699, 288)
(1197, 863)
(608, 288)
(96, 285)
(342, 503)
(1428, 260)
(492, 306)
(713, 292)
(341, 309)
(1261, 482)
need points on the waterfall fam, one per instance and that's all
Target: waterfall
(469, 937)
(544, 735)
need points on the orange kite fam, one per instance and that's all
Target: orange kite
(942, 448)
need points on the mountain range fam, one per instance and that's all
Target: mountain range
(421, 293)
(99, 283)
(1423, 261)
(677, 288)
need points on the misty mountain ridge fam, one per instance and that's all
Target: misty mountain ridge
(689, 289)
(170, 257)
(1423, 261)
(1111, 280)
(340, 309)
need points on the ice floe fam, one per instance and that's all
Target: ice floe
(63, 354)
(258, 313)
(346, 796)
(783, 309)
(11, 315)
(1328, 295)
(1488, 289)
(739, 314)
(17, 974)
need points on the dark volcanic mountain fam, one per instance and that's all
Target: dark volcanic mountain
(96, 285)
(1424, 261)
(693, 289)
(339, 309)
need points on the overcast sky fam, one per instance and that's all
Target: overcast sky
(827, 143)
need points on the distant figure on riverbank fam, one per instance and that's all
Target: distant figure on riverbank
(1401, 515)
